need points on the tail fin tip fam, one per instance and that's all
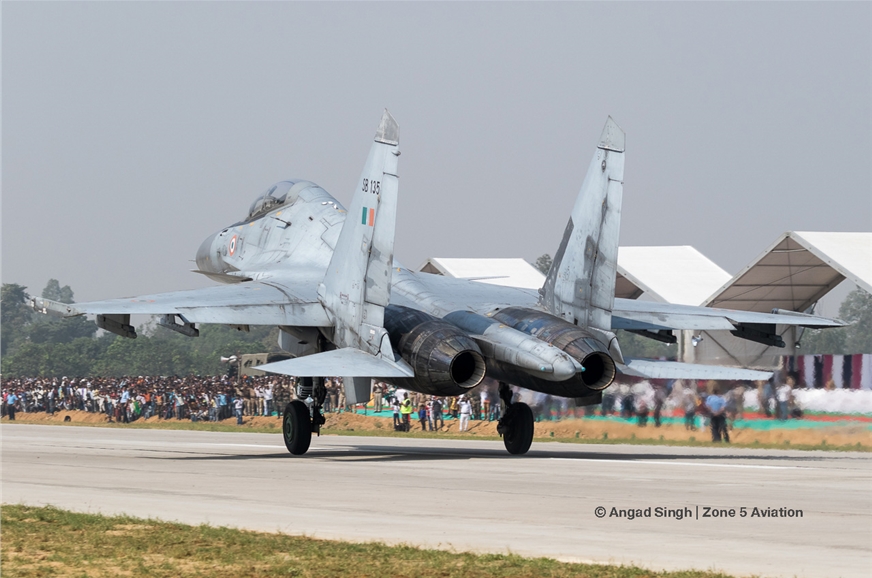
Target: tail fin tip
(612, 138)
(388, 130)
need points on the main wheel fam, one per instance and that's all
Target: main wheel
(297, 428)
(519, 434)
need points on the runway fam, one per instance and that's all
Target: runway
(470, 495)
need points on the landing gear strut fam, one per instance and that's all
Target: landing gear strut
(516, 424)
(303, 416)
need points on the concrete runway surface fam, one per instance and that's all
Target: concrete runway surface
(468, 495)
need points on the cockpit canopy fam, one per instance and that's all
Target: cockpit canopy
(276, 196)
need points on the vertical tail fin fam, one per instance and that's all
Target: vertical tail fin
(357, 285)
(580, 286)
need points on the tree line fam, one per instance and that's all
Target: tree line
(32, 344)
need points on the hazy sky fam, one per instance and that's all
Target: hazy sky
(131, 131)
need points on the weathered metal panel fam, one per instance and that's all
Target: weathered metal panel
(358, 277)
(580, 286)
(299, 314)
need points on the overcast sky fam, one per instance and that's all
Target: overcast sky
(131, 131)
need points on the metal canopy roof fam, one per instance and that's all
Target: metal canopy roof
(680, 274)
(506, 272)
(797, 270)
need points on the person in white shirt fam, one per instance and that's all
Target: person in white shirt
(782, 396)
(395, 405)
(268, 399)
(238, 403)
(465, 411)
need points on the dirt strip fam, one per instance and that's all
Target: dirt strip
(849, 434)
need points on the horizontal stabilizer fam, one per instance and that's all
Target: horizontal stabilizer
(53, 308)
(347, 362)
(653, 369)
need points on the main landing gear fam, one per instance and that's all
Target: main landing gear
(516, 425)
(303, 416)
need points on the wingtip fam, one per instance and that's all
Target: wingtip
(388, 130)
(613, 137)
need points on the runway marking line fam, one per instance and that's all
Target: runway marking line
(649, 462)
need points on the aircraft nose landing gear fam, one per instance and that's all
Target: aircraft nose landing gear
(516, 425)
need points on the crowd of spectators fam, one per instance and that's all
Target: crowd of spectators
(127, 399)
(216, 398)
(712, 404)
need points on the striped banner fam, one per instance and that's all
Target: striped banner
(845, 371)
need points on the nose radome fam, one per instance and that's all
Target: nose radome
(206, 258)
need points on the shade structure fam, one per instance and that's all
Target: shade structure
(671, 274)
(797, 270)
(506, 272)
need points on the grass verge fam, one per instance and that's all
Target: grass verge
(52, 542)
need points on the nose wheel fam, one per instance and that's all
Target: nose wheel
(516, 424)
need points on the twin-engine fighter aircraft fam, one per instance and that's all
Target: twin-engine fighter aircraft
(326, 276)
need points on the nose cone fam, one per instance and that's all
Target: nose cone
(207, 258)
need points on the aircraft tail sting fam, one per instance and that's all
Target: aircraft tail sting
(580, 286)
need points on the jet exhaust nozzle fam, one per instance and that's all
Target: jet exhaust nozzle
(598, 371)
(445, 359)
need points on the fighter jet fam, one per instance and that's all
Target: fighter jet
(326, 276)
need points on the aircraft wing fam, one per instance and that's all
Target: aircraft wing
(654, 369)
(639, 315)
(445, 294)
(275, 301)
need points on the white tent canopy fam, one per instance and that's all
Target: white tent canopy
(680, 274)
(506, 272)
(666, 274)
(793, 273)
(797, 270)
